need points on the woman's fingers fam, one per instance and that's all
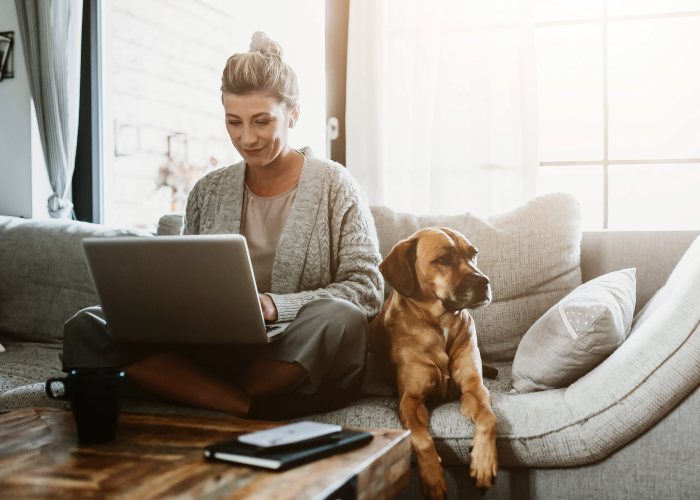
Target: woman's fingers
(268, 307)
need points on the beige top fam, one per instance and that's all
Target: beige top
(262, 222)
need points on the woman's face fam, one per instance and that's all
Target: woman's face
(258, 126)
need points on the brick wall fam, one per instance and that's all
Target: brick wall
(166, 63)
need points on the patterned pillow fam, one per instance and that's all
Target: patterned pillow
(576, 334)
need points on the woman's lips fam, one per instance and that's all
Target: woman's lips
(253, 151)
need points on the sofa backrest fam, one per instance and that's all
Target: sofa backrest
(44, 279)
(653, 253)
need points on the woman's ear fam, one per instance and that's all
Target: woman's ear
(294, 115)
(399, 267)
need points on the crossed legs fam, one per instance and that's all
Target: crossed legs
(174, 377)
(328, 338)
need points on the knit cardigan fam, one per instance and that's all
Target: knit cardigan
(328, 247)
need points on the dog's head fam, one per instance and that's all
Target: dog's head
(437, 263)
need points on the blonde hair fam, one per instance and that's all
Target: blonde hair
(261, 69)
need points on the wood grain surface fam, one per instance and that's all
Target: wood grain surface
(161, 456)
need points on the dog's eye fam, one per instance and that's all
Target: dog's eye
(445, 260)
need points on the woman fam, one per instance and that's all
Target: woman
(314, 252)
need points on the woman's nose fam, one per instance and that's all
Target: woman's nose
(248, 137)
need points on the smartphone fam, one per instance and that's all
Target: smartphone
(288, 434)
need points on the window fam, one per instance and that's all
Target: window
(162, 65)
(619, 103)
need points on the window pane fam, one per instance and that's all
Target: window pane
(558, 10)
(163, 64)
(637, 7)
(654, 197)
(570, 81)
(654, 82)
(585, 182)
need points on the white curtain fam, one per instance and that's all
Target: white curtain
(51, 34)
(441, 111)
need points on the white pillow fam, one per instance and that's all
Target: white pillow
(576, 334)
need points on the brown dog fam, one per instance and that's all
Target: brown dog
(426, 343)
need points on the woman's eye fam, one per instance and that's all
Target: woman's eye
(263, 123)
(235, 124)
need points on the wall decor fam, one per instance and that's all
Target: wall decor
(7, 64)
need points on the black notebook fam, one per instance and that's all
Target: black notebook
(283, 457)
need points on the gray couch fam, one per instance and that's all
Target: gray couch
(626, 430)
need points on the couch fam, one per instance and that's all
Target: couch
(627, 429)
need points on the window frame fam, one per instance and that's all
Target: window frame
(605, 161)
(337, 18)
(87, 181)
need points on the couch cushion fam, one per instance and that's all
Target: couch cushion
(531, 255)
(25, 363)
(576, 334)
(44, 279)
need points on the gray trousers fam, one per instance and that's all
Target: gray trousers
(328, 338)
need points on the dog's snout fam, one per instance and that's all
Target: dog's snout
(475, 282)
(480, 281)
(473, 291)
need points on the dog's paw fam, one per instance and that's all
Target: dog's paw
(484, 466)
(436, 490)
(432, 482)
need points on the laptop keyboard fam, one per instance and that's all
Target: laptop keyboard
(271, 328)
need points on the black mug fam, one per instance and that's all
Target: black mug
(95, 397)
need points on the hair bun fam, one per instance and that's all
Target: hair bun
(262, 43)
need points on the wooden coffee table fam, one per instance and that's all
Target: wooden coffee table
(161, 456)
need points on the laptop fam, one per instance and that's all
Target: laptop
(178, 290)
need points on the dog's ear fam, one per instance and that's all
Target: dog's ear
(399, 267)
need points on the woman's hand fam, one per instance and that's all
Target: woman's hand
(268, 307)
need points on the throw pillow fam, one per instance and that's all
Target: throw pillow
(532, 256)
(576, 334)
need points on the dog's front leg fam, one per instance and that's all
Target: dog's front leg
(413, 390)
(414, 416)
(476, 406)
